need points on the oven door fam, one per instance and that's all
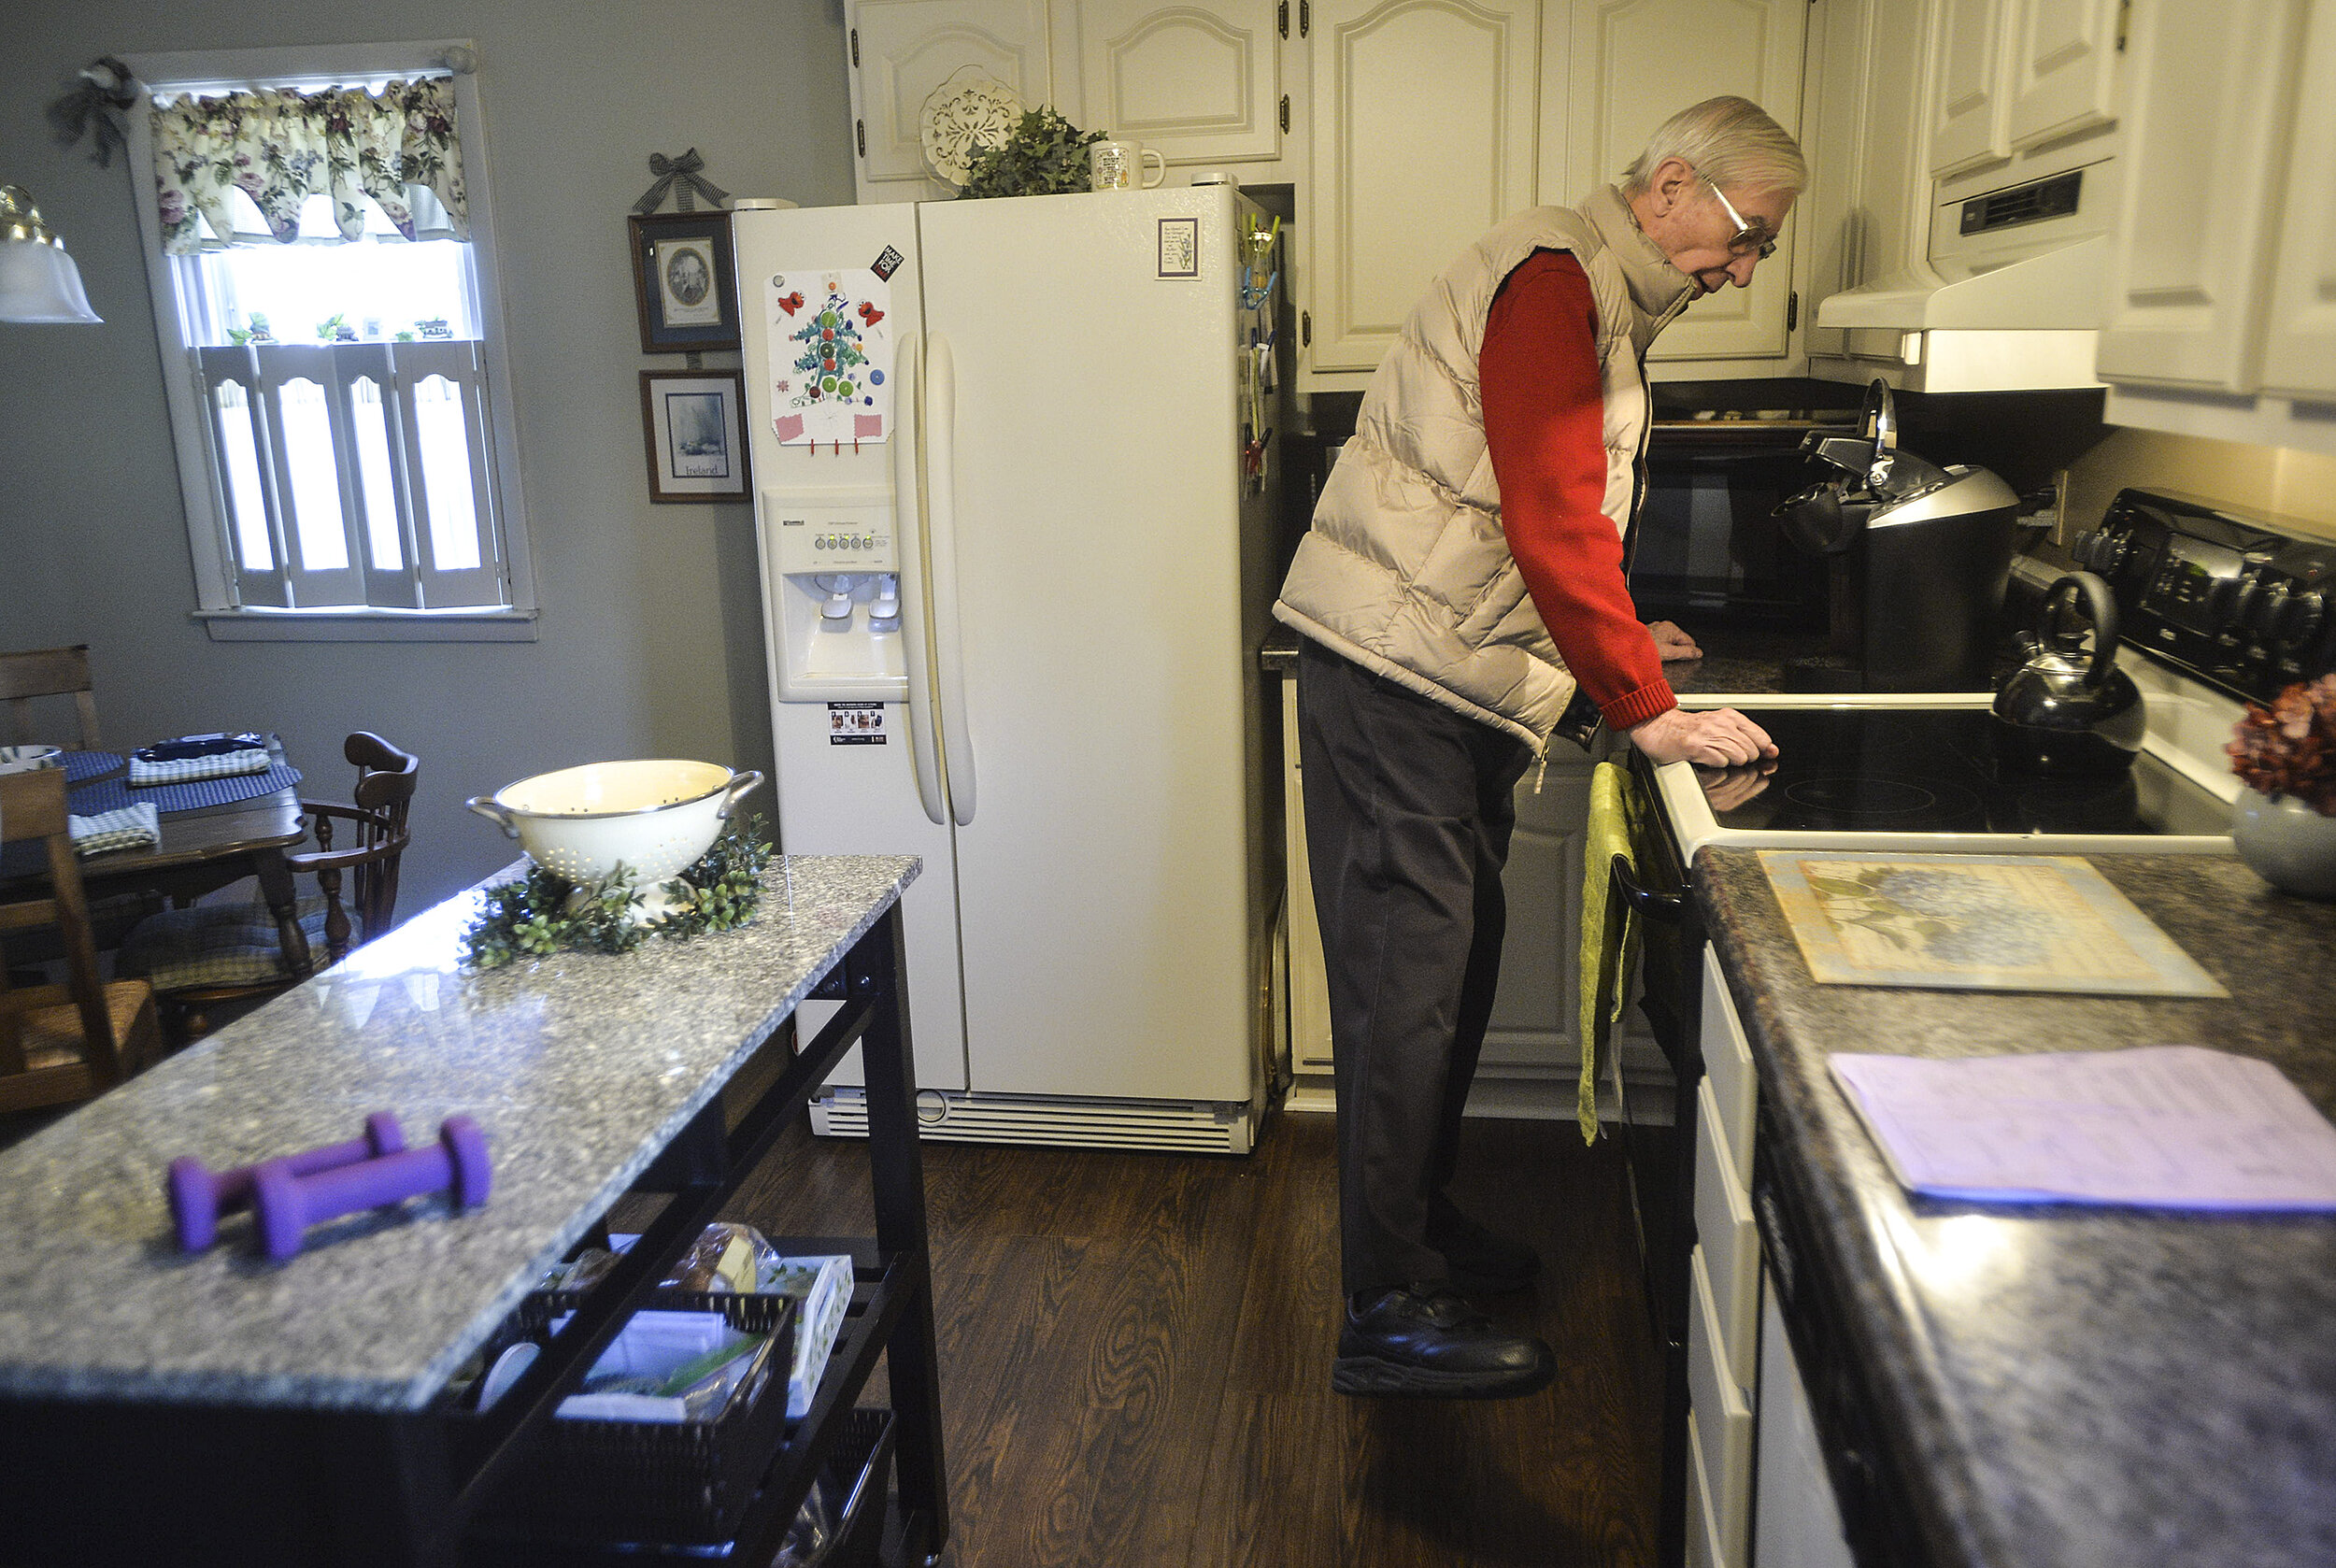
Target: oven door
(1658, 1126)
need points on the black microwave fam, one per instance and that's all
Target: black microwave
(1707, 547)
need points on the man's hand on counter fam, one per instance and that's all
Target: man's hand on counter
(1714, 739)
(1671, 643)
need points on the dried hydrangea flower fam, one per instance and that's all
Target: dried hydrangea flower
(2289, 748)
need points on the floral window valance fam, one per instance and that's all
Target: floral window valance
(279, 148)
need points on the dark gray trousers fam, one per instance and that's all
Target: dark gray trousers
(1408, 809)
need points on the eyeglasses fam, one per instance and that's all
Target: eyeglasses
(1752, 239)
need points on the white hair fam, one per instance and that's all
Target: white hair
(1729, 141)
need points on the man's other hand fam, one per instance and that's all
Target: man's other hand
(1671, 643)
(1717, 738)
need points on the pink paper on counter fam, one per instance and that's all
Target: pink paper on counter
(2156, 1126)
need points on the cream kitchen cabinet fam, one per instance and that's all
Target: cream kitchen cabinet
(1867, 218)
(2009, 75)
(1424, 138)
(1630, 65)
(1433, 120)
(1531, 1054)
(1757, 1491)
(2299, 347)
(2062, 74)
(1200, 83)
(901, 49)
(1969, 127)
(1204, 83)
(2223, 266)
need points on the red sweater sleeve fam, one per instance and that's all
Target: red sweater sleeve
(1544, 424)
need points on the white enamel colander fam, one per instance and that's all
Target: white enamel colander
(657, 817)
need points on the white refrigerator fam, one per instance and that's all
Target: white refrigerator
(1015, 571)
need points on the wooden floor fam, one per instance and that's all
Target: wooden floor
(1135, 1354)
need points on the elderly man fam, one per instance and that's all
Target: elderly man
(1462, 600)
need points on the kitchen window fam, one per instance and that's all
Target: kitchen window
(321, 248)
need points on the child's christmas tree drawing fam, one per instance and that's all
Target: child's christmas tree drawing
(830, 361)
(830, 355)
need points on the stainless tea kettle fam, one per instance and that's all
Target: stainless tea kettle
(2066, 710)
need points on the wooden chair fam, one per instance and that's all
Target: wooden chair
(213, 953)
(59, 1044)
(47, 672)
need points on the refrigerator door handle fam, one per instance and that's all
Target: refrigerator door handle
(948, 656)
(924, 748)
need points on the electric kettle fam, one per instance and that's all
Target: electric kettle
(2066, 710)
(1921, 555)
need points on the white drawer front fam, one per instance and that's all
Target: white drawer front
(1727, 1068)
(1704, 1547)
(1730, 1242)
(1723, 1419)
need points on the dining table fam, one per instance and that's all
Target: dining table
(201, 848)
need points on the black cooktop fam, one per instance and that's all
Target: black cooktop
(1935, 770)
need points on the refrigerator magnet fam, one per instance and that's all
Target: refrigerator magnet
(1180, 248)
(855, 724)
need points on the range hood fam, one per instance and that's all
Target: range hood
(2008, 298)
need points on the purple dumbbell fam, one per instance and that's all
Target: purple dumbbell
(286, 1203)
(200, 1196)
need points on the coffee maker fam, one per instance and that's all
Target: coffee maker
(1918, 557)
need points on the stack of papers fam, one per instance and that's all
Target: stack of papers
(2157, 1126)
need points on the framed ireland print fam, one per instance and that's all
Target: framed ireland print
(684, 282)
(694, 424)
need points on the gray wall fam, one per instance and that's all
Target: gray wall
(651, 636)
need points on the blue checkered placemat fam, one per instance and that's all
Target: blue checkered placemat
(82, 766)
(114, 793)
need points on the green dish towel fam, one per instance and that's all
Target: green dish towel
(1609, 935)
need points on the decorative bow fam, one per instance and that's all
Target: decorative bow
(684, 170)
(103, 94)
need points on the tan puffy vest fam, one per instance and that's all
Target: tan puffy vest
(1405, 570)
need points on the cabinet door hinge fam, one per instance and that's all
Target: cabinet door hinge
(1792, 310)
(1305, 16)
(1305, 329)
(855, 48)
(1285, 114)
(1281, 18)
(859, 135)
(2124, 22)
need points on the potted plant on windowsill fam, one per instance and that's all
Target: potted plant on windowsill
(2285, 822)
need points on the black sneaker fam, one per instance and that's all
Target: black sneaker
(1425, 1343)
(1481, 1262)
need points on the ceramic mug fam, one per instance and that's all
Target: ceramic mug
(1122, 165)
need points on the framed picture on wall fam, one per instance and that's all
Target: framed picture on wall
(683, 281)
(694, 423)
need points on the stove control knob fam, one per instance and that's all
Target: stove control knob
(2111, 553)
(2302, 618)
(2228, 599)
(2083, 546)
(2263, 615)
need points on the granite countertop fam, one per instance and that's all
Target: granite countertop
(580, 1068)
(2059, 1385)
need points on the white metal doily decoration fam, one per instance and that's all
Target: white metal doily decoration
(968, 113)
